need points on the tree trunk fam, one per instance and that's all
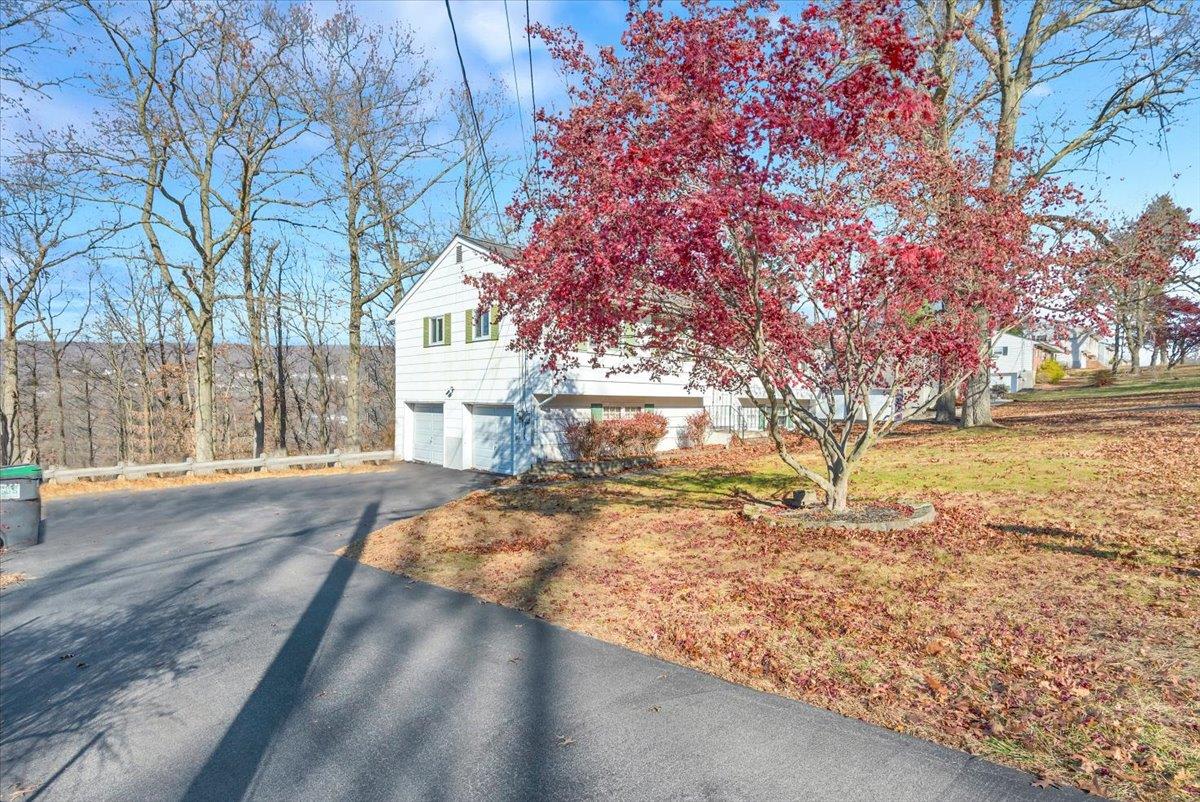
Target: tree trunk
(254, 324)
(280, 375)
(203, 416)
(60, 402)
(352, 441)
(838, 499)
(8, 392)
(946, 407)
(87, 409)
(1116, 357)
(977, 405)
(1133, 341)
(35, 411)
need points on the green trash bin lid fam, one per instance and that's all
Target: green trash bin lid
(20, 472)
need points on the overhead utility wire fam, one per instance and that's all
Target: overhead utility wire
(487, 167)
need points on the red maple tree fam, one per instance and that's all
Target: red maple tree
(752, 200)
(1177, 329)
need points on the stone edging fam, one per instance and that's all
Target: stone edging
(581, 469)
(922, 513)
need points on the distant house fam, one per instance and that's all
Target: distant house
(1017, 360)
(1084, 349)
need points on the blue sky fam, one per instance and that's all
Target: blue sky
(1125, 176)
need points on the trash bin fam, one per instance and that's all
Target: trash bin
(20, 505)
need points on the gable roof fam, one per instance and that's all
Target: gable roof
(498, 248)
(475, 243)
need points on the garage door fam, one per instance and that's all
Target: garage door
(493, 446)
(427, 433)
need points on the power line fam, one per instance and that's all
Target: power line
(512, 54)
(487, 167)
(537, 158)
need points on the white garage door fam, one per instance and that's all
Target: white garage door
(493, 442)
(427, 433)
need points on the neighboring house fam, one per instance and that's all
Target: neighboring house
(464, 399)
(1084, 349)
(1017, 360)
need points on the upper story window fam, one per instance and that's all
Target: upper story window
(1001, 351)
(435, 330)
(483, 325)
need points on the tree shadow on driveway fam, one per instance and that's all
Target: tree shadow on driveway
(89, 674)
(230, 769)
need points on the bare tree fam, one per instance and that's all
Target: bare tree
(312, 316)
(44, 226)
(184, 75)
(56, 303)
(479, 211)
(1140, 56)
(28, 30)
(368, 88)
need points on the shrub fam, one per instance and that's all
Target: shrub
(638, 436)
(593, 440)
(585, 439)
(1051, 371)
(1102, 378)
(999, 390)
(697, 426)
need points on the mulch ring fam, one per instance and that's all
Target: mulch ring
(877, 516)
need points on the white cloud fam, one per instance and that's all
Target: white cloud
(1041, 90)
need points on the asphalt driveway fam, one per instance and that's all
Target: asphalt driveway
(204, 643)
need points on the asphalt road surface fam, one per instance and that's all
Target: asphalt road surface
(204, 643)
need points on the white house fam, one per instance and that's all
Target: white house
(464, 399)
(1017, 359)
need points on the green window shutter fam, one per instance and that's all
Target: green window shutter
(648, 408)
(494, 319)
(597, 412)
(425, 331)
(470, 325)
(446, 329)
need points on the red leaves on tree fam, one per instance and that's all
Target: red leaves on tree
(760, 200)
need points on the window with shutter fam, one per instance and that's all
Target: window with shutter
(435, 330)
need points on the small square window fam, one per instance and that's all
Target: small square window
(437, 331)
(483, 325)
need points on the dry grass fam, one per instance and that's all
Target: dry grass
(86, 487)
(1047, 620)
(10, 578)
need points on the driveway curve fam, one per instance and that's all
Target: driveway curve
(204, 643)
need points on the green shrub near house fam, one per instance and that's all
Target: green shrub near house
(1051, 371)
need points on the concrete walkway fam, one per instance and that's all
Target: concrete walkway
(202, 643)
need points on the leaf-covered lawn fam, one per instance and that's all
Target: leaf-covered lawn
(1047, 620)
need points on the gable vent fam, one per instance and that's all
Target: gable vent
(458, 253)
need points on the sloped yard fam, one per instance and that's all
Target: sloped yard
(1047, 620)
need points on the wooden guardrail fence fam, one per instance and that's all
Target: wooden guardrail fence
(129, 470)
